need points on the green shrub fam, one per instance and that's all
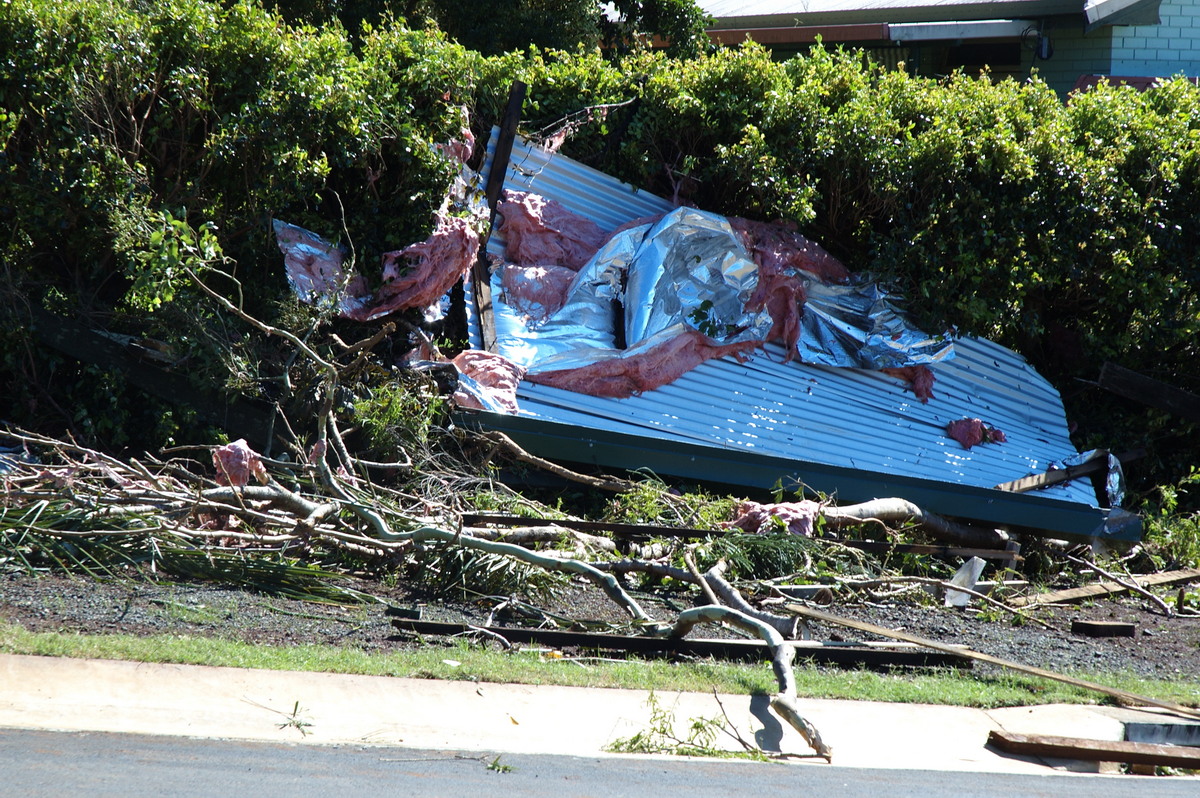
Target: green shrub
(1173, 532)
(215, 117)
(1066, 231)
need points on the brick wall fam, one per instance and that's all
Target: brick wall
(1075, 54)
(1164, 50)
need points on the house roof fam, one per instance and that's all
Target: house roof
(855, 432)
(742, 14)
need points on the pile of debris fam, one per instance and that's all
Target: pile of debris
(611, 329)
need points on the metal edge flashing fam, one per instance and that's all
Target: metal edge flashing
(1121, 12)
(554, 440)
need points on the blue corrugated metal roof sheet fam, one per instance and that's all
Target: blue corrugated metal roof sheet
(804, 419)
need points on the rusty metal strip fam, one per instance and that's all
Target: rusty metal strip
(836, 654)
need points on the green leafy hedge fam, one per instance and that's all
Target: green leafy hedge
(1065, 230)
(120, 122)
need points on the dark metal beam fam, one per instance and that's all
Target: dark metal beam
(738, 467)
(847, 655)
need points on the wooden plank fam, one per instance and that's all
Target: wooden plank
(628, 530)
(846, 655)
(1095, 750)
(1107, 588)
(1009, 555)
(1124, 696)
(481, 282)
(1093, 466)
(1149, 391)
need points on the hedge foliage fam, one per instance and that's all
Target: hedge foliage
(1067, 230)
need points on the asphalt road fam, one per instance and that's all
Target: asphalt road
(39, 763)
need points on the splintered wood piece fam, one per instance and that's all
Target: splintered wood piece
(1174, 756)
(1124, 696)
(1108, 588)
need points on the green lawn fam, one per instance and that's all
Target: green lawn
(983, 688)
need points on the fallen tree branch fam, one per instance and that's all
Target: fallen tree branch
(1124, 696)
(716, 589)
(789, 628)
(783, 702)
(524, 536)
(896, 509)
(511, 446)
(1129, 585)
(606, 582)
(262, 327)
(698, 578)
(652, 567)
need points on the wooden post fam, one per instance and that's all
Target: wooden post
(481, 275)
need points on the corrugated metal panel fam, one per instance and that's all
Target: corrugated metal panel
(789, 412)
(847, 417)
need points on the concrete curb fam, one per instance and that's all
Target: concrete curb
(333, 709)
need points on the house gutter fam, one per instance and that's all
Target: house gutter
(900, 33)
(802, 35)
(925, 22)
(1121, 12)
(562, 442)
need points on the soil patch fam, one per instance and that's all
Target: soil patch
(1162, 648)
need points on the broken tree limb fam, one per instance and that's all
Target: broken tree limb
(789, 628)
(1129, 585)
(511, 446)
(605, 582)
(1108, 588)
(524, 536)
(716, 590)
(262, 327)
(229, 498)
(895, 509)
(784, 702)
(652, 567)
(1124, 696)
(698, 578)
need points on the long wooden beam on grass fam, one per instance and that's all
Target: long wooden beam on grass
(1108, 588)
(1124, 696)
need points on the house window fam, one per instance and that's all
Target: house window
(973, 56)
